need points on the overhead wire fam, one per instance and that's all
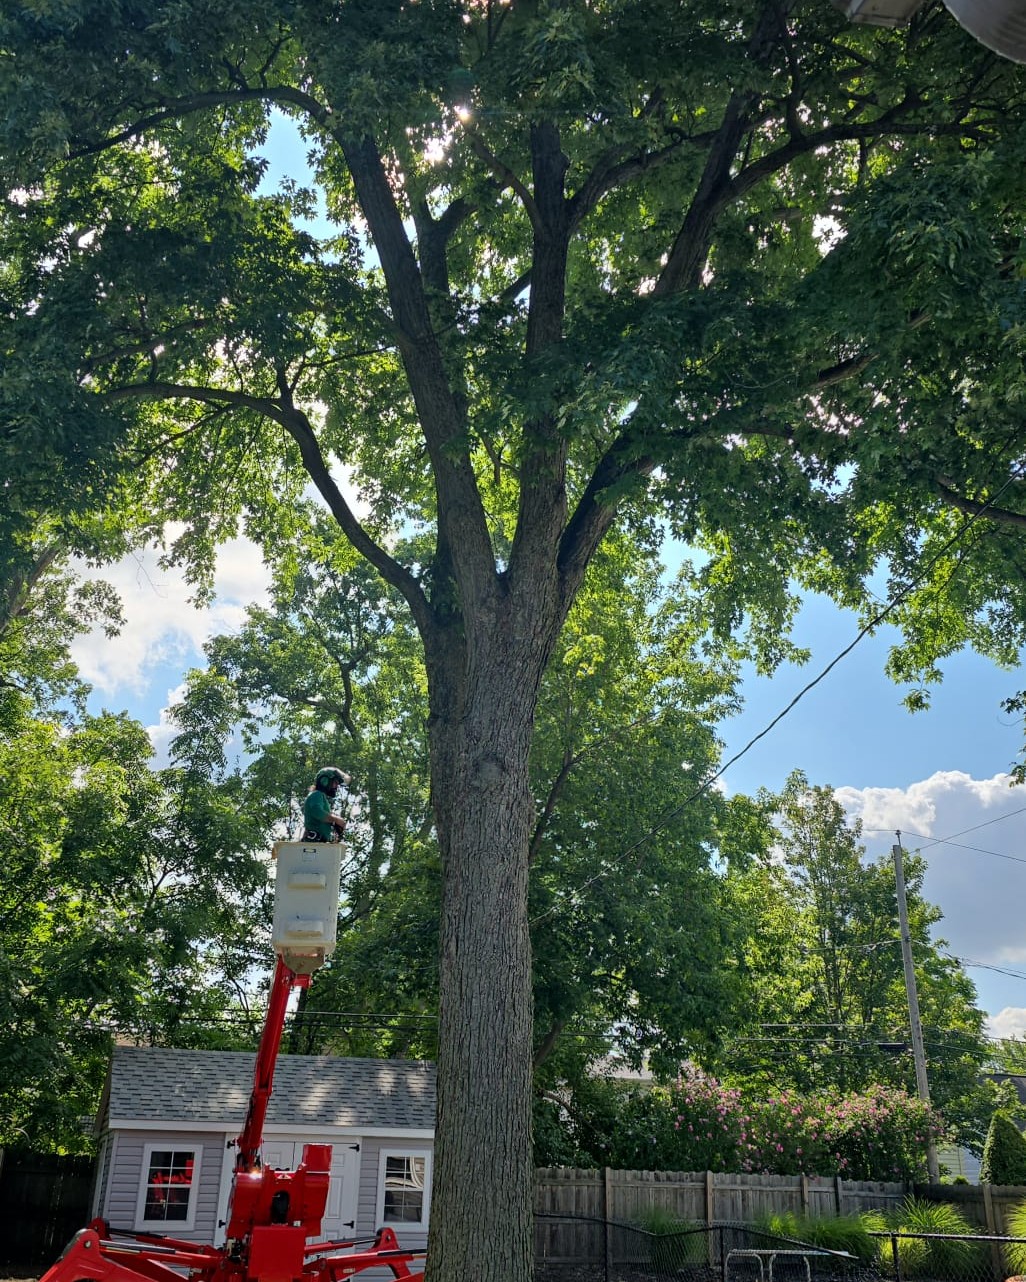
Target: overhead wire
(1015, 475)
(950, 840)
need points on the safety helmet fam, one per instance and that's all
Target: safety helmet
(328, 775)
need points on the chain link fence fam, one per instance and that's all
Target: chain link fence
(584, 1249)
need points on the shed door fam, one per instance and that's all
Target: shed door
(340, 1214)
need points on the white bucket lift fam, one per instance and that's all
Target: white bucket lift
(306, 888)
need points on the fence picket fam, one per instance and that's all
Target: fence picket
(702, 1198)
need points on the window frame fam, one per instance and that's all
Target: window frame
(411, 1152)
(168, 1227)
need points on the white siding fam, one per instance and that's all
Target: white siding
(959, 1161)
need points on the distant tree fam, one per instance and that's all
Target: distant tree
(1004, 1153)
(131, 907)
(824, 968)
(1010, 1055)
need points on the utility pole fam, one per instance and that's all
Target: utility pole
(919, 1055)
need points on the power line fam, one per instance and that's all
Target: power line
(979, 965)
(976, 827)
(869, 627)
(949, 841)
(979, 850)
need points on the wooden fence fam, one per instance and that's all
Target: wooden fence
(704, 1197)
(985, 1205)
(594, 1202)
(44, 1198)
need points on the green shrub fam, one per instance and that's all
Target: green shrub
(919, 1257)
(912, 1253)
(830, 1232)
(1004, 1153)
(675, 1242)
(1015, 1252)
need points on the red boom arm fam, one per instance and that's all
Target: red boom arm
(271, 1217)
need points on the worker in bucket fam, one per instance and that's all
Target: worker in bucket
(319, 822)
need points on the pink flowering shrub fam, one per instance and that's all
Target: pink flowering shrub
(699, 1125)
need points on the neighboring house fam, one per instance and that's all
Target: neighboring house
(959, 1161)
(167, 1120)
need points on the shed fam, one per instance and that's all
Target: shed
(168, 1119)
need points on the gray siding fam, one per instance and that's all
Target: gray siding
(123, 1175)
(126, 1175)
(102, 1177)
(367, 1221)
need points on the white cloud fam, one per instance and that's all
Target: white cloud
(972, 833)
(165, 729)
(161, 625)
(915, 809)
(1010, 1022)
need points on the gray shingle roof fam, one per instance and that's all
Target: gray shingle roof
(163, 1085)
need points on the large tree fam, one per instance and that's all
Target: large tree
(125, 913)
(594, 259)
(626, 717)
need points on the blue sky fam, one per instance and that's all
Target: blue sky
(937, 775)
(852, 726)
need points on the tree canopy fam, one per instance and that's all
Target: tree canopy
(828, 1002)
(131, 905)
(746, 269)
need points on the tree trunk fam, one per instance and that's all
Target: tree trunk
(481, 1225)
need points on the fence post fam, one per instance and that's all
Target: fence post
(894, 1257)
(710, 1207)
(997, 1262)
(607, 1205)
(838, 1195)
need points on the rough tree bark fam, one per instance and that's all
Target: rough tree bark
(484, 811)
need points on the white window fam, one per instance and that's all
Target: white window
(170, 1182)
(404, 1187)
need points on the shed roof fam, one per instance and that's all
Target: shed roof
(162, 1085)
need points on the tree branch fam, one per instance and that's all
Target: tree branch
(145, 346)
(973, 507)
(175, 108)
(541, 508)
(610, 172)
(856, 364)
(505, 176)
(548, 1043)
(463, 539)
(19, 589)
(595, 511)
(299, 428)
(555, 792)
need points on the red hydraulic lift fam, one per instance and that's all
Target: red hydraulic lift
(274, 1217)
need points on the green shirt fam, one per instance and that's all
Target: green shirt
(316, 809)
